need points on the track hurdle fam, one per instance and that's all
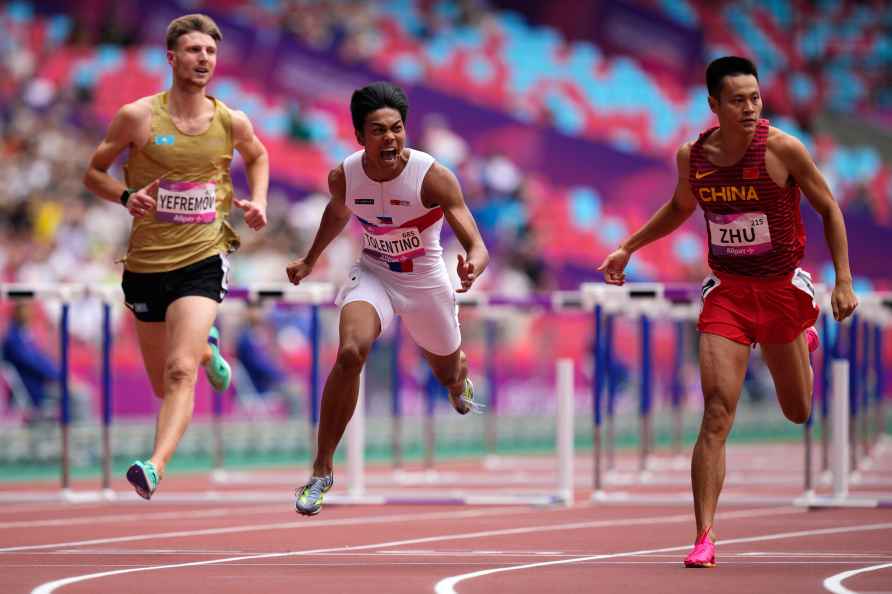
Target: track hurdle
(64, 294)
(840, 457)
(489, 306)
(314, 295)
(108, 296)
(358, 493)
(366, 488)
(866, 396)
(630, 297)
(643, 302)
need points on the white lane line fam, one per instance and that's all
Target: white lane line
(834, 582)
(104, 519)
(300, 524)
(50, 587)
(816, 554)
(447, 585)
(368, 520)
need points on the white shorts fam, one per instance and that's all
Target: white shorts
(426, 304)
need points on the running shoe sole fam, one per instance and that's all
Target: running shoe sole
(136, 476)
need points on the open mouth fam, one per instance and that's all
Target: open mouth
(388, 155)
(202, 71)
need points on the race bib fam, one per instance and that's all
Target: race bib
(398, 245)
(186, 202)
(740, 234)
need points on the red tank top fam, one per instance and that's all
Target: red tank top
(753, 226)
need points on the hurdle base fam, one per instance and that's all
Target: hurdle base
(845, 501)
(445, 499)
(680, 499)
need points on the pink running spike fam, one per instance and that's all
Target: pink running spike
(703, 554)
(812, 338)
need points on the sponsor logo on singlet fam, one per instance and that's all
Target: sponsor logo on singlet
(186, 202)
(164, 139)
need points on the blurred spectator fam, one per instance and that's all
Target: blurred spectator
(257, 365)
(27, 366)
(439, 140)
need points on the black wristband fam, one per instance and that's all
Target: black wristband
(125, 196)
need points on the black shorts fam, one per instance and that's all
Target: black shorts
(148, 294)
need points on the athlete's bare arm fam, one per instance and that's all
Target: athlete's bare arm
(130, 128)
(334, 219)
(256, 167)
(801, 166)
(441, 188)
(667, 219)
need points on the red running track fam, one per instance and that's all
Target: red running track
(222, 548)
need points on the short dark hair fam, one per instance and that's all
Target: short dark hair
(719, 68)
(189, 23)
(375, 96)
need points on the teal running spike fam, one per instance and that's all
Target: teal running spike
(218, 372)
(144, 478)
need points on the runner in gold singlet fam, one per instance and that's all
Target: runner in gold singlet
(179, 191)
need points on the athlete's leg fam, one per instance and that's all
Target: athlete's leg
(450, 370)
(432, 321)
(793, 378)
(722, 367)
(152, 337)
(359, 327)
(188, 321)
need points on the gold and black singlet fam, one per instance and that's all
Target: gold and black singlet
(194, 197)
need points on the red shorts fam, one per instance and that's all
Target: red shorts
(753, 309)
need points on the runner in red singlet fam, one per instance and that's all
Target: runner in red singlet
(746, 176)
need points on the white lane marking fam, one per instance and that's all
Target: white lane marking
(104, 519)
(816, 554)
(378, 520)
(300, 524)
(447, 585)
(50, 587)
(834, 582)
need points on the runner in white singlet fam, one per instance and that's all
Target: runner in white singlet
(400, 197)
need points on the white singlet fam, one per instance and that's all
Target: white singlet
(401, 270)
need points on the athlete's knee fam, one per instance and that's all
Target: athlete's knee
(180, 370)
(352, 356)
(717, 419)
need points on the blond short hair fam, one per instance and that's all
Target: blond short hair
(189, 23)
